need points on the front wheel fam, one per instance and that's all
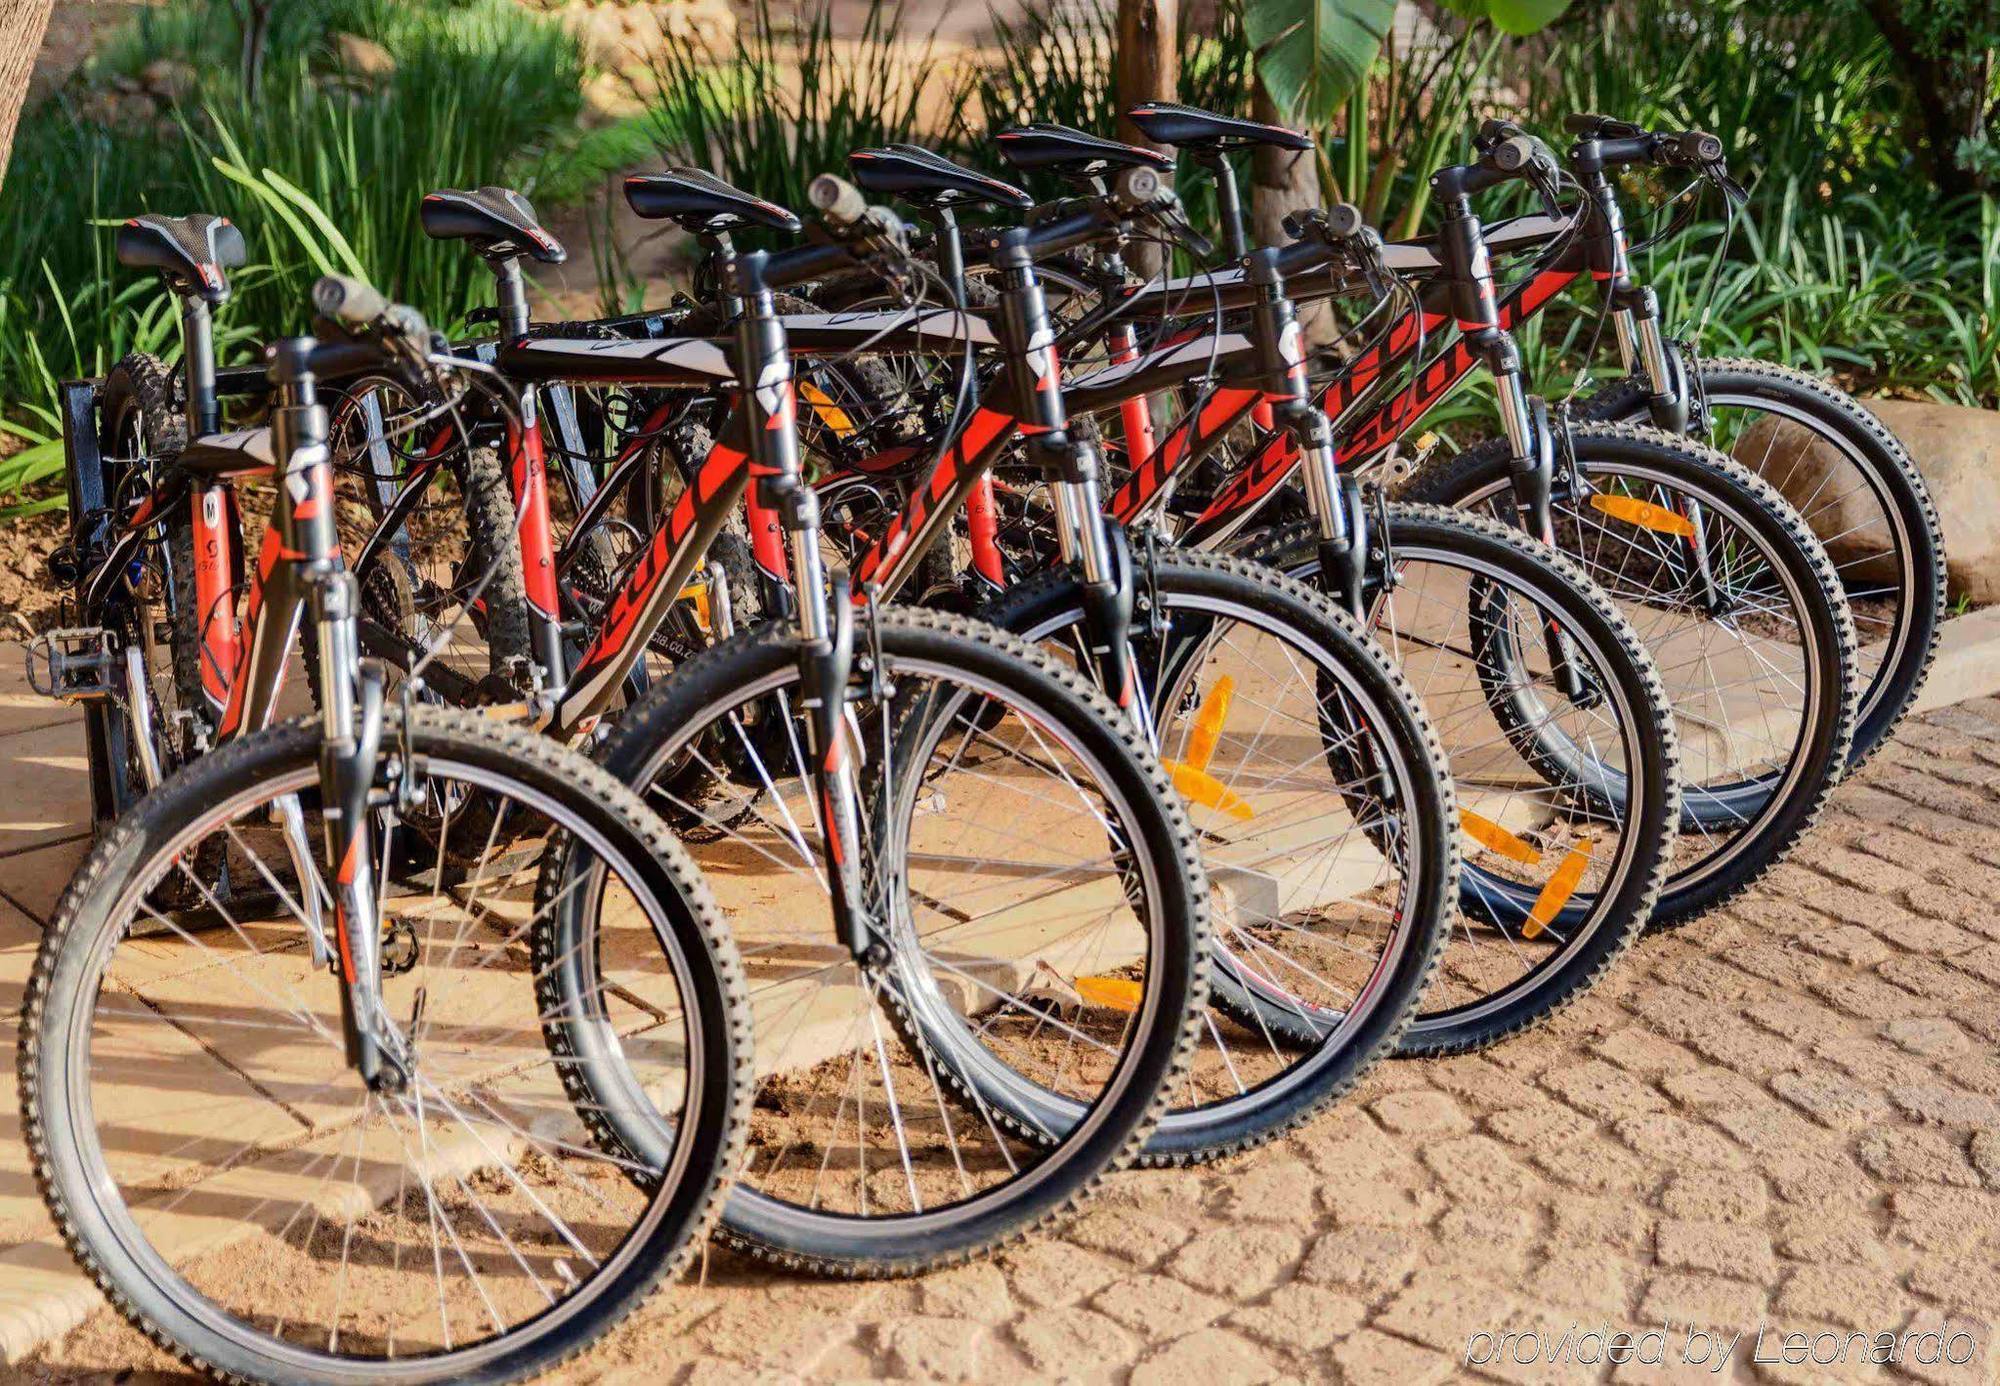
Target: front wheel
(1741, 611)
(1568, 787)
(1325, 813)
(1855, 485)
(1038, 907)
(221, 1170)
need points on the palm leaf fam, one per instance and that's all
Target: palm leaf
(1312, 53)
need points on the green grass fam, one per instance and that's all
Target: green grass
(317, 177)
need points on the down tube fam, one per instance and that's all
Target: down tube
(639, 607)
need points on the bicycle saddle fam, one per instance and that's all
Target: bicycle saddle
(192, 251)
(1073, 153)
(498, 221)
(702, 203)
(1168, 122)
(929, 180)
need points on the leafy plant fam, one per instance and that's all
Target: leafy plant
(792, 105)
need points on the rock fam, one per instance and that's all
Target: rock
(363, 57)
(169, 79)
(1955, 449)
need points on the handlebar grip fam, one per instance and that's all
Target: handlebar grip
(837, 201)
(1136, 188)
(1493, 129)
(1698, 147)
(348, 301)
(1590, 125)
(1344, 219)
(1513, 154)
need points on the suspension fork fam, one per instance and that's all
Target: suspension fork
(1334, 498)
(1530, 440)
(351, 696)
(1635, 313)
(825, 625)
(1091, 545)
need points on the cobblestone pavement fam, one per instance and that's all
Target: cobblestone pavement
(1784, 1115)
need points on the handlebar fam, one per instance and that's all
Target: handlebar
(1133, 192)
(353, 304)
(1322, 235)
(857, 230)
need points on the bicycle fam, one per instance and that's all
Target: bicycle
(344, 1096)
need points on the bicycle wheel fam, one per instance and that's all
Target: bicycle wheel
(1857, 487)
(1040, 883)
(142, 426)
(1568, 791)
(1740, 608)
(245, 1200)
(1324, 811)
(444, 569)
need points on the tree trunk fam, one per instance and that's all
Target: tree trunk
(1148, 69)
(22, 24)
(1950, 107)
(1283, 182)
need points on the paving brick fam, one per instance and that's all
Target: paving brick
(1934, 980)
(1212, 1355)
(1368, 1259)
(1943, 1106)
(1045, 1273)
(1953, 1221)
(1369, 1358)
(1301, 1318)
(1905, 1156)
(1129, 1234)
(1678, 1143)
(1071, 1342)
(1830, 1099)
(1543, 1125)
(1157, 1308)
(1931, 1036)
(1598, 1089)
(1850, 944)
(1420, 1113)
(1642, 1052)
(1716, 1195)
(1711, 1300)
(1274, 1190)
(1239, 1260)
(1717, 1248)
(1478, 1169)
(1857, 1296)
(1431, 1309)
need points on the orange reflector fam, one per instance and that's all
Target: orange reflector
(831, 414)
(1644, 514)
(1208, 720)
(1491, 835)
(1112, 993)
(1556, 893)
(1200, 787)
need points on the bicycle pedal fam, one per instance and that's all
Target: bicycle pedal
(78, 664)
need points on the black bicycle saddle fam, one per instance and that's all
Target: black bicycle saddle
(1168, 122)
(702, 203)
(192, 251)
(1073, 153)
(498, 221)
(929, 180)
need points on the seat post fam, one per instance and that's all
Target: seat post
(198, 363)
(510, 295)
